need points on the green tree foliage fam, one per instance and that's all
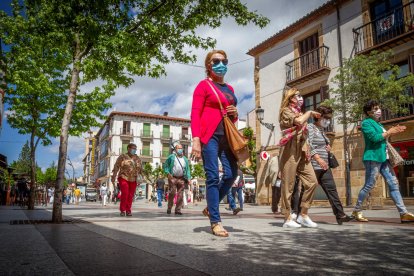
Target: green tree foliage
(151, 174)
(6, 177)
(197, 171)
(251, 143)
(23, 164)
(367, 77)
(111, 41)
(50, 175)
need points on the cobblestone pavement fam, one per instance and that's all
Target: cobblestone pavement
(97, 241)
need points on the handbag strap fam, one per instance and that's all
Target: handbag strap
(218, 98)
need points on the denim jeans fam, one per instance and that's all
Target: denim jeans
(372, 169)
(218, 148)
(231, 197)
(160, 196)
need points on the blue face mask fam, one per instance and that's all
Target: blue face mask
(219, 69)
(180, 152)
(133, 151)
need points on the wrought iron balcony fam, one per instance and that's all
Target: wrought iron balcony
(126, 132)
(389, 117)
(390, 30)
(147, 134)
(146, 153)
(308, 66)
(164, 154)
(165, 135)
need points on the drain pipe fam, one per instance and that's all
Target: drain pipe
(345, 126)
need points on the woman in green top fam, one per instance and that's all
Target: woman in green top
(376, 160)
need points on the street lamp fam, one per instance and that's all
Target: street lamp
(260, 117)
(73, 168)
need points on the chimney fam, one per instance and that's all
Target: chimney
(165, 113)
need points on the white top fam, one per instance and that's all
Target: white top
(103, 190)
(386, 146)
(178, 170)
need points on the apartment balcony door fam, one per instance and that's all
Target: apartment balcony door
(147, 130)
(309, 54)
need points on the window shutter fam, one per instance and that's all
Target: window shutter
(324, 92)
(411, 63)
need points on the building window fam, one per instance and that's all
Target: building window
(125, 144)
(147, 130)
(309, 56)
(312, 100)
(126, 127)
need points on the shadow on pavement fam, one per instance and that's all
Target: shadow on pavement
(90, 249)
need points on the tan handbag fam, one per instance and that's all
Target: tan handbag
(237, 142)
(395, 157)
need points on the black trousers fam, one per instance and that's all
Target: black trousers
(296, 197)
(275, 198)
(327, 182)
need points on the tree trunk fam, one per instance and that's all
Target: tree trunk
(64, 135)
(32, 173)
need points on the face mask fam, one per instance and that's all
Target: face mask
(219, 69)
(377, 114)
(299, 102)
(133, 151)
(325, 123)
(180, 152)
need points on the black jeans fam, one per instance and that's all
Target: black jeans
(325, 179)
(296, 197)
(275, 198)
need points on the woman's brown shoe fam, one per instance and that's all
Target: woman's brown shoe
(206, 212)
(359, 217)
(218, 230)
(407, 217)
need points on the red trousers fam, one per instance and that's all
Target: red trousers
(127, 194)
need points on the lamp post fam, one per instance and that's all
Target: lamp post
(73, 168)
(260, 117)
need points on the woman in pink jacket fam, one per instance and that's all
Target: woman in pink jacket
(209, 139)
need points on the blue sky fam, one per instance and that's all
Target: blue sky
(173, 93)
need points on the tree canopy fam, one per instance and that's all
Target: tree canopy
(111, 41)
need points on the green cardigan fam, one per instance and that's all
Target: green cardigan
(375, 143)
(169, 165)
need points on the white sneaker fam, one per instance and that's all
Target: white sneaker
(293, 216)
(306, 221)
(291, 224)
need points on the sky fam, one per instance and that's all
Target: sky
(173, 93)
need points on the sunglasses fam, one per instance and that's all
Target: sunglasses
(216, 61)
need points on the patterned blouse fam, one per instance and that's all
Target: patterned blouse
(128, 167)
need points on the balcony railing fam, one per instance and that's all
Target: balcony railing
(146, 152)
(388, 116)
(185, 137)
(164, 153)
(307, 64)
(393, 26)
(126, 132)
(147, 134)
(165, 135)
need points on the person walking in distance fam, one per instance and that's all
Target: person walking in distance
(236, 190)
(177, 169)
(160, 191)
(103, 192)
(127, 167)
(376, 161)
(209, 138)
(77, 194)
(295, 157)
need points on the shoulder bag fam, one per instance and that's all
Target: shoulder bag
(395, 157)
(332, 161)
(237, 142)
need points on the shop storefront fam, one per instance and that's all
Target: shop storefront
(405, 172)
